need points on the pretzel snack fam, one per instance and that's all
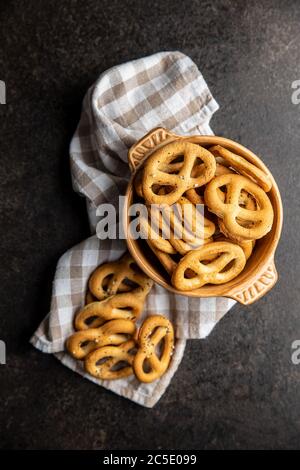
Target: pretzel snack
(152, 229)
(153, 331)
(193, 195)
(111, 357)
(114, 332)
(110, 278)
(242, 166)
(255, 223)
(214, 263)
(126, 305)
(156, 173)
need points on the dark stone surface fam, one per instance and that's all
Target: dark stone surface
(238, 388)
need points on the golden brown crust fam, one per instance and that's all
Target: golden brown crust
(110, 278)
(116, 361)
(239, 222)
(242, 166)
(114, 332)
(156, 172)
(155, 329)
(214, 263)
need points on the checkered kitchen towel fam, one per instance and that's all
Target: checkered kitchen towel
(165, 89)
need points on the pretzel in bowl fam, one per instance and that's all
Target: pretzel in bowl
(242, 166)
(194, 195)
(190, 229)
(185, 227)
(157, 166)
(214, 263)
(167, 260)
(255, 223)
(114, 332)
(246, 245)
(118, 276)
(111, 362)
(152, 228)
(148, 365)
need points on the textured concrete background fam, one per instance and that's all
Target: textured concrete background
(238, 388)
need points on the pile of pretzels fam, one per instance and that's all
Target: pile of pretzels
(237, 211)
(107, 339)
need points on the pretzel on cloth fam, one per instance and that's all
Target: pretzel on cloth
(111, 362)
(223, 254)
(242, 166)
(113, 332)
(89, 298)
(257, 222)
(156, 172)
(147, 365)
(110, 278)
(127, 305)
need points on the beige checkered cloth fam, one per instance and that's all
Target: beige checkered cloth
(165, 89)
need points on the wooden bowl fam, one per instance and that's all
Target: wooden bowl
(259, 275)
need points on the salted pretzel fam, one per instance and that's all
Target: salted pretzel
(113, 332)
(152, 229)
(126, 305)
(246, 201)
(111, 362)
(138, 179)
(242, 166)
(147, 365)
(194, 195)
(189, 228)
(156, 173)
(185, 227)
(246, 245)
(255, 223)
(228, 260)
(89, 298)
(110, 278)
